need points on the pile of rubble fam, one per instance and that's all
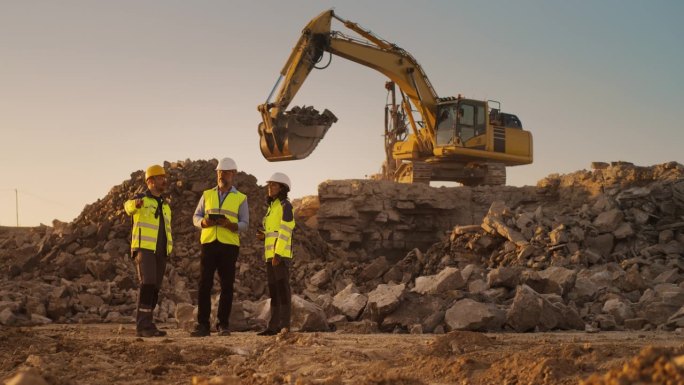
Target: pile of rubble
(592, 250)
(82, 271)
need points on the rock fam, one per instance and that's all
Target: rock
(448, 279)
(530, 310)
(320, 278)
(385, 298)
(606, 322)
(307, 316)
(350, 302)
(185, 316)
(118, 248)
(375, 269)
(27, 377)
(8, 318)
(623, 231)
(676, 320)
(477, 286)
(101, 270)
(556, 279)
(414, 310)
(608, 221)
(90, 301)
(508, 277)
(619, 309)
(467, 314)
(602, 244)
(37, 319)
(635, 323)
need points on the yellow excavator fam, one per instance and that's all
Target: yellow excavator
(426, 137)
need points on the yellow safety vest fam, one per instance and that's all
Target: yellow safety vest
(229, 208)
(278, 232)
(146, 226)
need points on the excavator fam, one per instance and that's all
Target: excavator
(427, 138)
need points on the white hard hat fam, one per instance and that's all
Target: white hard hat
(280, 178)
(226, 164)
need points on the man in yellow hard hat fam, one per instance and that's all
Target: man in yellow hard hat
(151, 244)
(221, 213)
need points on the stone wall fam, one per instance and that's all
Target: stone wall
(386, 218)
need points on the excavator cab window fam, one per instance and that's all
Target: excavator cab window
(460, 123)
(446, 125)
(472, 123)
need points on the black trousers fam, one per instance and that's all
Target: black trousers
(279, 289)
(150, 268)
(221, 258)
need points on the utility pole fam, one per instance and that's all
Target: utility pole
(16, 202)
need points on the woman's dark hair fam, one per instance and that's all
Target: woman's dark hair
(282, 194)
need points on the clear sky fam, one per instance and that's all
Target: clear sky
(92, 90)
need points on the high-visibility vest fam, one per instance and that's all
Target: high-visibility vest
(229, 208)
(278, 233)
(146, 226)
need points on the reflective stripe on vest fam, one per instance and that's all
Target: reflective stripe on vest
(146, 226)
(229, 208)
(278, 232)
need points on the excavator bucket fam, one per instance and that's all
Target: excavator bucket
(294, 134)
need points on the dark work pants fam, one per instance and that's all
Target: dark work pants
(279, 289)
(221, 258)
(150, 268)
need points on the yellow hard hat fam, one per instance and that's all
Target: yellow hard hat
(154, 170)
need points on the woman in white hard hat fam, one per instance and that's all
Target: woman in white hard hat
(277, 236)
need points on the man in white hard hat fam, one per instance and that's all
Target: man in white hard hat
(277, 236)
(151, 245)
(221, 213)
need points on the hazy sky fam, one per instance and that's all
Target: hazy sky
(91, 91)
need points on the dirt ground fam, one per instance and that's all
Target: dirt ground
(111, 354)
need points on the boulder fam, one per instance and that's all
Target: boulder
(384, 299)
(307, 316)
(448, 279)
(415, 309)
(468, 314)
(350, 302)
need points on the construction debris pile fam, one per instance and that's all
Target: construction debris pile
(82, 271)
(592, 250)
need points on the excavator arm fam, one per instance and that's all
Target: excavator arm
(294, 134)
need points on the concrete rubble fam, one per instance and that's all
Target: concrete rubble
(597, 249)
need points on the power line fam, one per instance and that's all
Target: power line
(40, 198)
(47, 200)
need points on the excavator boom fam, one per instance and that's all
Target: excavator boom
(469, 143)
(294, 134)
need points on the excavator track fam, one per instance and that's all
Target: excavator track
(487, 174)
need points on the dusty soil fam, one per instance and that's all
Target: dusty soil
(111, 354)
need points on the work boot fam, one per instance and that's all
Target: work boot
(223, 331)
(267, 332)
(200, 331)
(150, 333)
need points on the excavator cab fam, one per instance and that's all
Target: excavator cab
(293, 134)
